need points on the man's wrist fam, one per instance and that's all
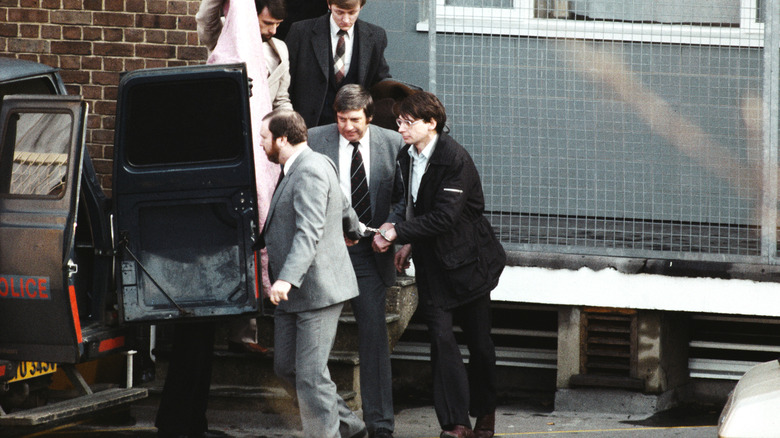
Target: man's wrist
(383, 233)
(390, 234)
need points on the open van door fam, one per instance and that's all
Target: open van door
(184, 194)
(42, 142)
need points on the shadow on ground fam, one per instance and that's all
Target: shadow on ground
(681, 416)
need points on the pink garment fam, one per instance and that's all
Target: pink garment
(240, 41)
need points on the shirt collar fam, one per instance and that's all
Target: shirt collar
(291, 160)
(364, 142)
(334, 28)
(427, 151)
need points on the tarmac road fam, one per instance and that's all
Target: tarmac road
(527, 418)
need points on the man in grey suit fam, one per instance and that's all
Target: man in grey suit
(378, 148)
(329, 52)
(310, 272)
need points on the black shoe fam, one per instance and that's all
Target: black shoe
(382, 433)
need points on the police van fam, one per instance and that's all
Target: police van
(80, 272)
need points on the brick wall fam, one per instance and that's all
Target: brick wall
(93, 41)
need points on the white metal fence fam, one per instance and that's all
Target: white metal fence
(617, 127)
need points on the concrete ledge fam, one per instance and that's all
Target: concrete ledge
(612, 288)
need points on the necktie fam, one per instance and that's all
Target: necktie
(338, 59)
(279, 180)
(361, 201)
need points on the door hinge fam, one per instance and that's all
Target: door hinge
(73, 268)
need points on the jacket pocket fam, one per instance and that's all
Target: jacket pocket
(472, 258)
(459, 254)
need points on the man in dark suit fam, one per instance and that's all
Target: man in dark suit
(457, 261)
(310, 272)
(352, 142)
(329, 52)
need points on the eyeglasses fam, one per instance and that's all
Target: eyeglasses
(406, 123)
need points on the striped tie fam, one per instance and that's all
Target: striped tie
(361, 201)
(338, 59)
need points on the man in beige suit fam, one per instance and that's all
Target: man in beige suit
(270, 14)
(242, 337)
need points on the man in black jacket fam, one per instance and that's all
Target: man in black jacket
(457, 261)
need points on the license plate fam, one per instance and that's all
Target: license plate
(28, 370)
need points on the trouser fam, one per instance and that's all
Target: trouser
(459, 390)
(185, 394)
(376, 379)
(302, 344)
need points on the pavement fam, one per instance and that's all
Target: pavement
(531, 417)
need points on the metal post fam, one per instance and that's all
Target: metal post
(771, 124)
(432, 46)
(129, 368)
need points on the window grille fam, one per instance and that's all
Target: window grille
(621, 128)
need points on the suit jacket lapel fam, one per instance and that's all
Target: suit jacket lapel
(320, 42)
(275, 72)
(365, 43)
(377, 155)
(436, 158)
(288, 173)
(332, 145)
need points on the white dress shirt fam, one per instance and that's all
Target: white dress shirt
(345, 162)
(349, 42)
(291, 160)
(420, 165)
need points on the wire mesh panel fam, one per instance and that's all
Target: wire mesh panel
(617, 127)
(40, 154)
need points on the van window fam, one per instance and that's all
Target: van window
(34, 155)
(184, 122)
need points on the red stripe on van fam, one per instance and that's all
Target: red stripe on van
(111, 344)
(74, 308)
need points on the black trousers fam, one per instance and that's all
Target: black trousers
(457, 389)
(185, 394)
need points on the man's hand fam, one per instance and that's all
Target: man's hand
(279, 291)
(384, 239)
(350, 242)
(401, 260)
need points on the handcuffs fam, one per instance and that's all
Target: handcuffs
(377, 230)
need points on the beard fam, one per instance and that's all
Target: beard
(272, 154)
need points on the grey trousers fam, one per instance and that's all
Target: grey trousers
(302, 344)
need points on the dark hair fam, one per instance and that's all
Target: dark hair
(286, 123)
(346, 4)
(276, 8)
(354, 97)
(425, 106)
